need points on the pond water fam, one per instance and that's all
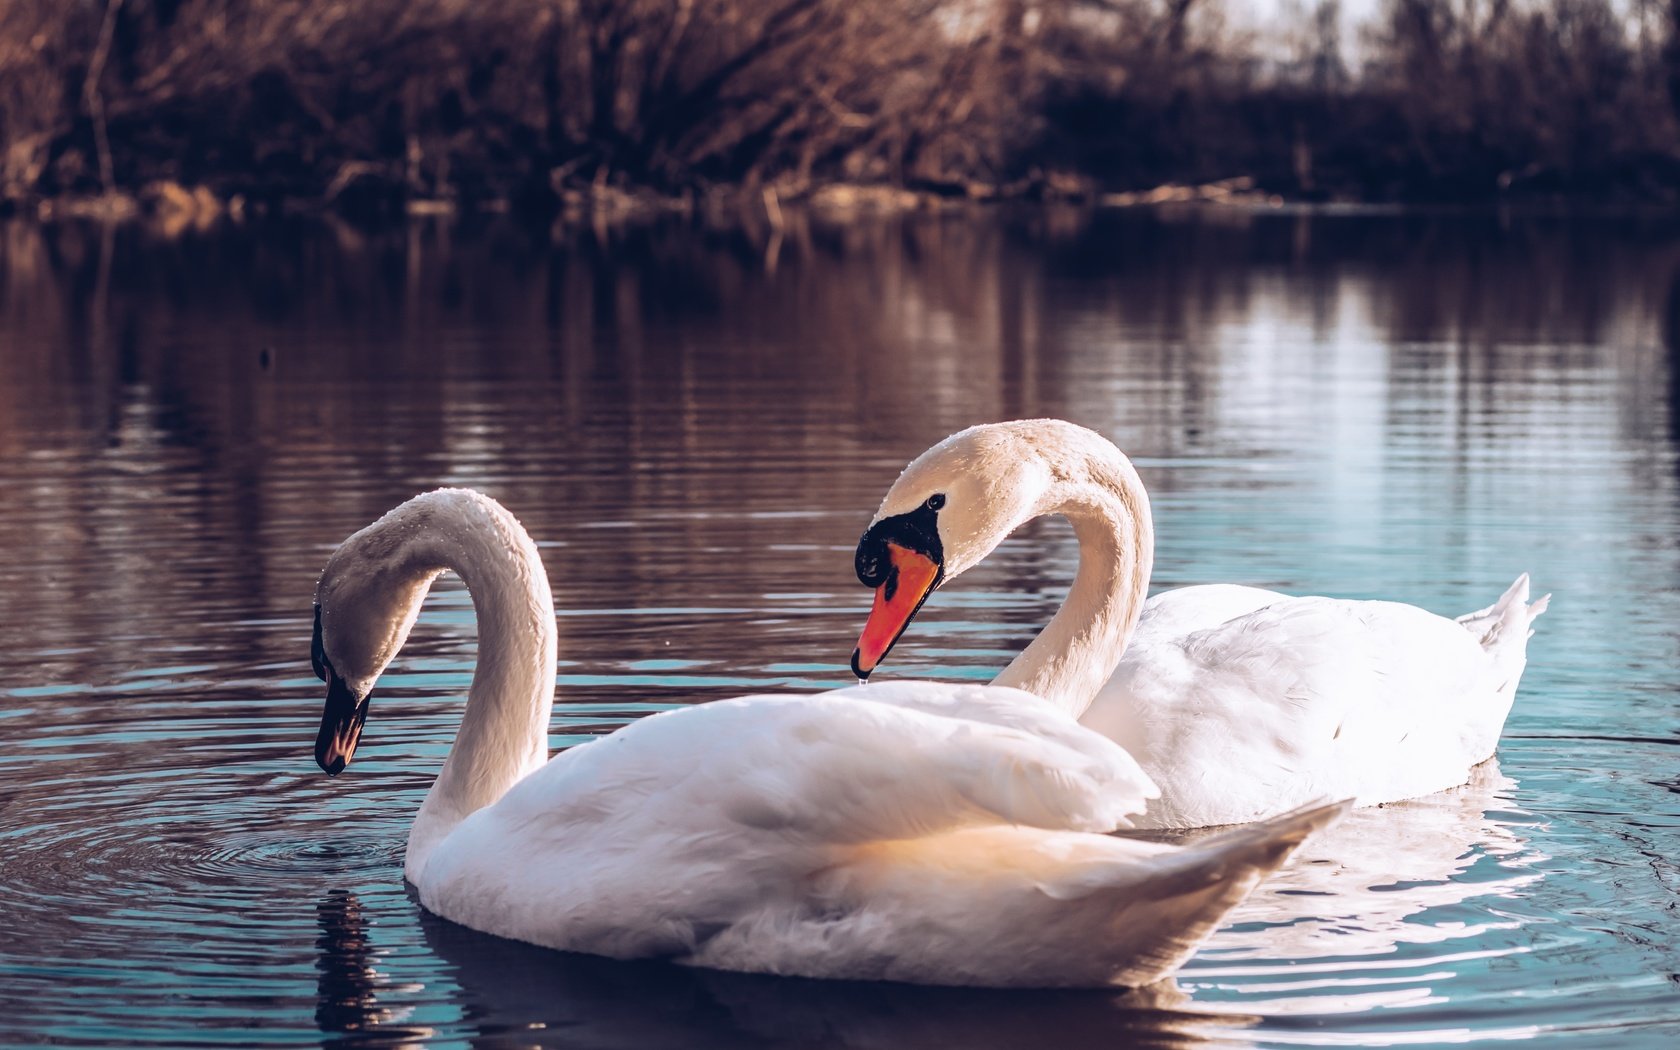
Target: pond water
(696, 424)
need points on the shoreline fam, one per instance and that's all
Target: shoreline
(172, 205)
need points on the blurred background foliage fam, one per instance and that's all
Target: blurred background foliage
(379, 103)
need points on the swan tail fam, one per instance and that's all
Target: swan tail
(1251, 850)
(1163, 913)
(1504, 628)
(1511, 615)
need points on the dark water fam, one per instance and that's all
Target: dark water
(696, 425)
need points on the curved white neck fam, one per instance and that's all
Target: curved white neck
(504, 732)
(1079, 649)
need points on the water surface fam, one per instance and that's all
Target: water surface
(696, 424)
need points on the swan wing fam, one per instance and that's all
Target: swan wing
(838, 768)
(1182, 611)
(1301, 698)
(1123, 781)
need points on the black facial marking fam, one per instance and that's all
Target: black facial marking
(317, 654)
(918, 531)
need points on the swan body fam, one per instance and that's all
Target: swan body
(1238, 702)
(1238, 716)
(926, 833)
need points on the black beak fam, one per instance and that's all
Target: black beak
(341, 726)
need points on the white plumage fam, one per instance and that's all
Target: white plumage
(926, 833)
(1238, 702)
(1239, 716)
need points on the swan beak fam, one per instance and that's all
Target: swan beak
(911, 578)
(341, 726)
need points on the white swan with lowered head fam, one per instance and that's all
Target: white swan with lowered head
(932, 834)
(1239, 702)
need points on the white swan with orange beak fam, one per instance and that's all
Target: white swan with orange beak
(1240, 703)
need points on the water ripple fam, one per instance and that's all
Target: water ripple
(1380, 407)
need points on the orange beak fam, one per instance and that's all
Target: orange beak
(912, 578)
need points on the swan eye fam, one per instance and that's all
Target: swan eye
(935, 501)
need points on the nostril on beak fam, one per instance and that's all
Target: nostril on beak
(872, 568)
(867, 561)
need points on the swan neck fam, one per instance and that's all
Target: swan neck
(504, 730)
(1077, 652)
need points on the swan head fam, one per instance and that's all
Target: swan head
(366, 602)
(953, 505)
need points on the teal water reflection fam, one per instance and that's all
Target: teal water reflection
(1410, 407)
